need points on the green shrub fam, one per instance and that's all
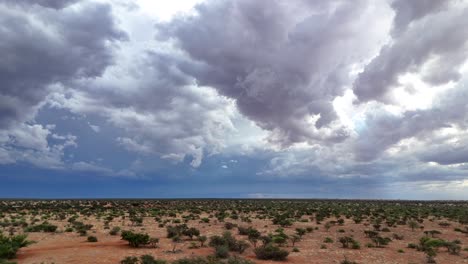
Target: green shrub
(44, 227)
(92, 239)
(10, 245)
(135, 239)
(196, 260)
(355, 245)
(129, 260)
(412, 245)
(114, 231)
(237, 260)
(346, 261)
(148, 259)
(222, 251)
(271, 252)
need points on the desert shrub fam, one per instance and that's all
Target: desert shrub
(346, 261)
(381, 241)
(237, 260)
(135, 239)
(216, 241)
(148, 259)
(114, 231)
(355, 245)
(10, 245)
(328, 240)
(153, 241)
(202, 240)
(229, 225)
(44, 227)
(191, 232)
(301, 231)
(4, 261)
(197, 260)
(229, 241)
(222, 251)
(347, 241)
(271, 252)
(81, 228)
(295, 249)
(412, 245)
(178, 230)
(129, 260)
(241, 246)
(453, 247)
(92, 239)
(246, 231)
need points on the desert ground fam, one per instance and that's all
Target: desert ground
(401, 223)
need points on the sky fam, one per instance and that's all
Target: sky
(234, 99)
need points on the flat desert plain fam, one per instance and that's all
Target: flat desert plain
(318, 236)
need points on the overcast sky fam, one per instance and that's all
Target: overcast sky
(234, 98)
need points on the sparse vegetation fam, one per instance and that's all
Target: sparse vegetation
(270, 229)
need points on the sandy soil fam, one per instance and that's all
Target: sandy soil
(70, 248)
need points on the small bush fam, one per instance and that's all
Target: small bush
(222, 252)
(346, 261)
(44, 227)
(271, 252)
(92, 239)
(129, 260)
(135, 239)
(145, 259)
(412, 245)
(237, 260)
(114, 231)
(148, 259)
(10, 245)
(229, 225)
(355, 245)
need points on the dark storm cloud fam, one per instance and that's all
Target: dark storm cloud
(283, 62)
(42, 46)
(409, 11)
(446, 154)
(56, 4)
(433, 41)
(157, 108)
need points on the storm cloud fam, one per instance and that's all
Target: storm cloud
(283, 62)
(365, 95)
(41, 47)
